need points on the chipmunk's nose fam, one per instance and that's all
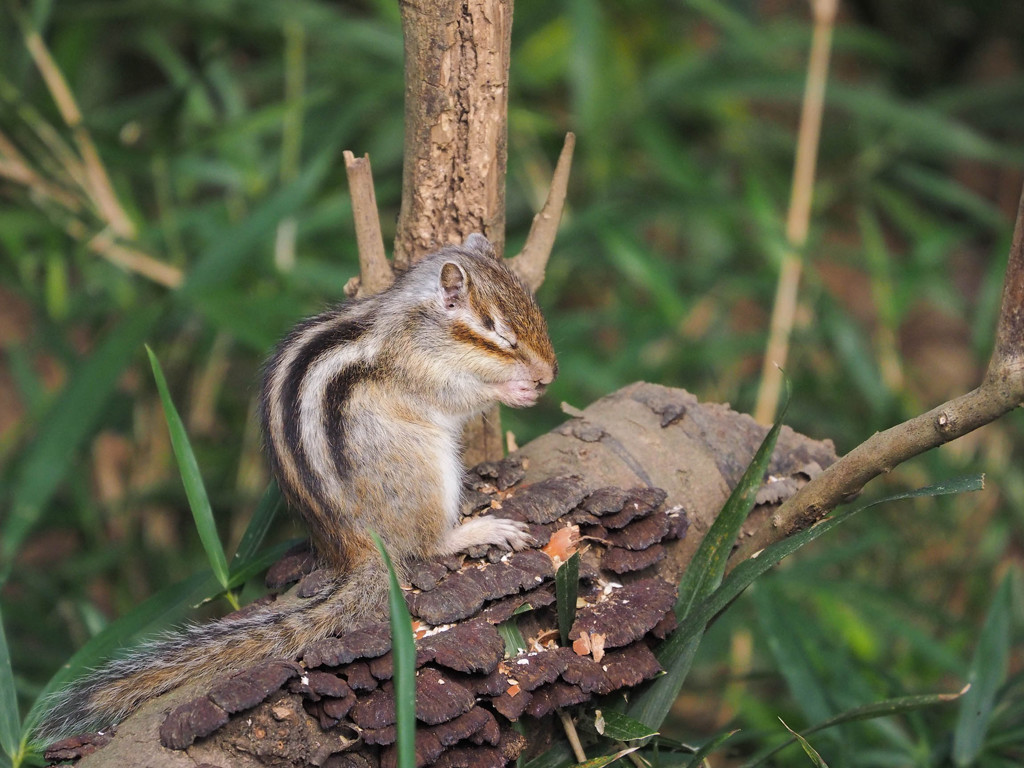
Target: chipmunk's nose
(544, 374)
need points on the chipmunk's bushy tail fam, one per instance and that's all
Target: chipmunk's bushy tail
(204, 653)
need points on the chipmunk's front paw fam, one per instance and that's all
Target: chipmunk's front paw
(509, 534)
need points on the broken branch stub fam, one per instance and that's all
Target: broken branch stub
(531, 262)
(375, 273)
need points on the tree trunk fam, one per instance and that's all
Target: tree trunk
(456, 118)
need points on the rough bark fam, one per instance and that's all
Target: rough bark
(456, 114)
(456, 106)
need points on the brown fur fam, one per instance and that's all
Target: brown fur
(362, 408)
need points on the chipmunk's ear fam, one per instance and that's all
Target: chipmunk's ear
(481, 245)
(454, 285)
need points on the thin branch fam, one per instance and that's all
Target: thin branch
(1006, 367)
(99, 187)
(375, 273)
(798, 219)
(531, 262)
(1001, 391)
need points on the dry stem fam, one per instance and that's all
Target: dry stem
(531, 262)
(1001, 391)
(574, 739)
(130, 259)
(798, 220)
(98, 187)
(87, 171)
(375, 273)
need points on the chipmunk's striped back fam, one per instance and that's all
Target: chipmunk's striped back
(306, 384)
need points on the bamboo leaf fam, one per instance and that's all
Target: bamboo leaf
(10, 725)
(403, 648)
(198, 501)
(985, 676)
(567, 581)
(68, 424)
(709, 747)
(229, 254)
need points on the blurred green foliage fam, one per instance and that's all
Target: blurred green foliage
(221, 125)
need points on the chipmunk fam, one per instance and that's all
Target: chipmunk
(362, 409)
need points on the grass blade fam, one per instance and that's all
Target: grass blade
(266, 511)
(709, 747)
(243, 571)
(10, 725)
(557, 756)
(163, 608)
(705, 571)
(866, 712)
(514, 640)
(810, 751)
(986, 675)
(191, 477)
(403, 649)
(702, 576)
(793, 647)
(744, 574)
(567, 582)
(603, 760)
(66, 427)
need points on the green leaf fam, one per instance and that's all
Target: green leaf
(404, 651)
(600, 762)
(68, 424)
(514, 640)
(810, 751)
(619, 727)
(794, 649)
(985, 676)
(567, 582)
(10, 725)
(557, 756)
(259, 524)
(191, 477)
(704, 573)
(220, 263)
(243, 571)
(866, 712)
(744, 574)
(702, 576)
(709, 747)
(165, 607)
